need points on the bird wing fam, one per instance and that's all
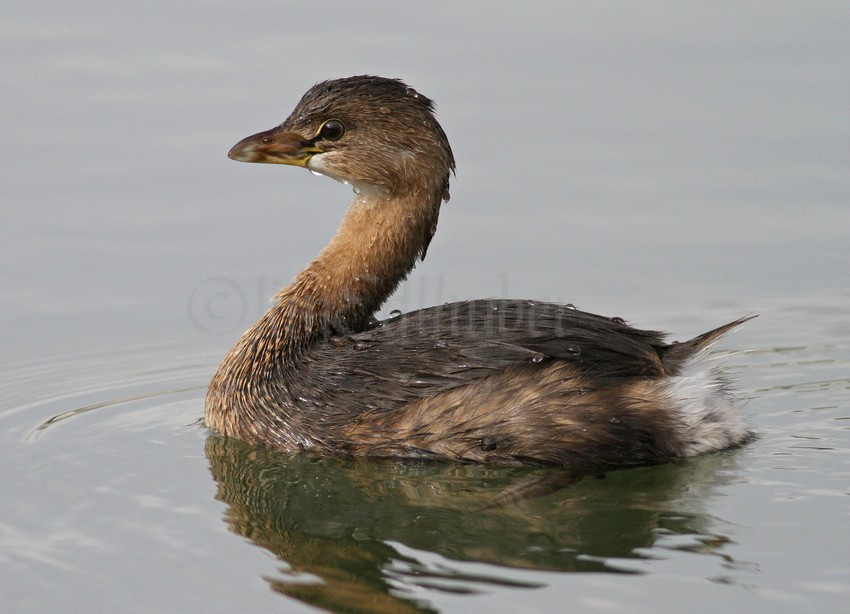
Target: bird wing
(429, 351)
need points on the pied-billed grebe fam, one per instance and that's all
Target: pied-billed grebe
(499, 381)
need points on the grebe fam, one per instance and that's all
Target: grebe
(491, 381)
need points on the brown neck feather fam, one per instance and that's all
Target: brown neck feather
(374, 249)
(376, 246)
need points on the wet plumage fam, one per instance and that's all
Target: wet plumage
(500, 381)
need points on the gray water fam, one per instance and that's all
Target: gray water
(677, 165)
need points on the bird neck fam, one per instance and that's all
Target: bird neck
(375, 248)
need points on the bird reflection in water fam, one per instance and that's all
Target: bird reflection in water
(348, 530)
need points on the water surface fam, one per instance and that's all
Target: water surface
(677, 166)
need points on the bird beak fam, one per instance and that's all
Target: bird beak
(274, 146)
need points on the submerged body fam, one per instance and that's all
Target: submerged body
(484, 381)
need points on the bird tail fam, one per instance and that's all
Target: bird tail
(676, 355)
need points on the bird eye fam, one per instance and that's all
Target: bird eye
(331, 130)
